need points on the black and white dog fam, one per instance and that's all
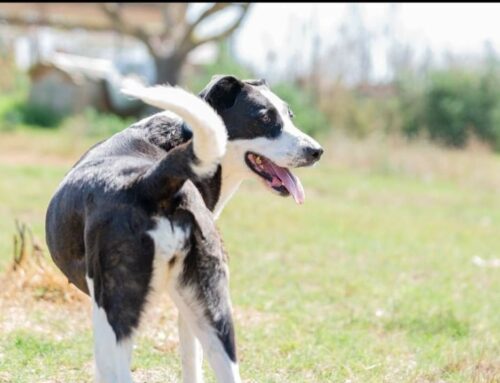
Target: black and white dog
(136, 214)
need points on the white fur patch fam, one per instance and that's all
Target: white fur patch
(205, 169)
(234, 171)
(169, 241)
(191, 354)
(112, 358)
(168, 238)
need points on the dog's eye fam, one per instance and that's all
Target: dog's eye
(265, 117)
(290, 113)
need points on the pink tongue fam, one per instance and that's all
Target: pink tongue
(292, 183)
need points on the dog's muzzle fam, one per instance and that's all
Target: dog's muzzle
(313, 154)
(310, 155)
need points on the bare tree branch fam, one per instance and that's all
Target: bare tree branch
(26, 21)
(113, 11)
(166, 12)
(181, 9)
(174, 19)
(225, 33)
(216, 7)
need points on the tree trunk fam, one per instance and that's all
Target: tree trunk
(168, 69)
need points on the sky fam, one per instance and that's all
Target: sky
(457, 28)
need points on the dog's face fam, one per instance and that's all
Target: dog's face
(262, 137)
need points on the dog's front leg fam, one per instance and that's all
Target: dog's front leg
(191, 354)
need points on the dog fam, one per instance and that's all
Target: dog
(136, 214)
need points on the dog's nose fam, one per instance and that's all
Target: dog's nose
(313, 154)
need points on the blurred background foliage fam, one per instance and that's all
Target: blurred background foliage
(395, 256)
(450, 105)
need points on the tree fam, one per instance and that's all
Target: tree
(169, 45)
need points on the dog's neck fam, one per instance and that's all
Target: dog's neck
(234, 171)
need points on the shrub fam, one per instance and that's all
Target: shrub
(31, 114)
(411, 105)
(448, 107)
(14, 110)
(453, 105)
(495, 127)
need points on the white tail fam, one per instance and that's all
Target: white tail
(209, 131)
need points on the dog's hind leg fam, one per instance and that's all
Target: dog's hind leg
(112, 357)
(119, 255)
(200, 290)
(191, 354)
(215, 335)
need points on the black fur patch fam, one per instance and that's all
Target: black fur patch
(165, 132)
(225, 333)
(222, 93)
(245, 111)
(119, 255)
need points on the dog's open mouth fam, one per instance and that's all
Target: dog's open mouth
(277, 178)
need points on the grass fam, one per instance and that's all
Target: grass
(372, 280)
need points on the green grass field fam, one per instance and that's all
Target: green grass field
(371, 280)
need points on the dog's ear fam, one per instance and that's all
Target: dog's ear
(258, 82)
(221, 91)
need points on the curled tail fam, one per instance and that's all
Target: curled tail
(209, 131)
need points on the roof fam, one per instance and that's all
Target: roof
(87, 13)
(79, 68)
(76, 67)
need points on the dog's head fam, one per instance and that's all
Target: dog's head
(263, 141)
